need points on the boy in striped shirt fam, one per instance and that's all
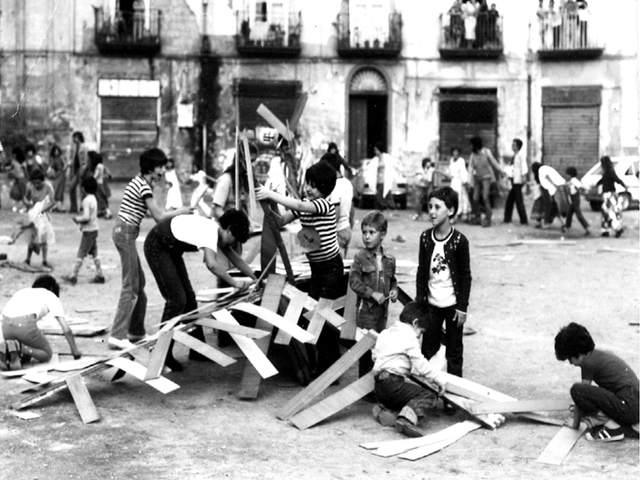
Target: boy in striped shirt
(318, 219)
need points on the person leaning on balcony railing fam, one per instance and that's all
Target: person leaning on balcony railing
(583, 17)
(455, 30)
(542, 15)
(555, 20)
(469, 14)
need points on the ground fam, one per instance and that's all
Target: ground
(521, 296)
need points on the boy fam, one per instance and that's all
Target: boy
(318, 218)
(23, 339)
(443, 280)
(342, 198)
(575, 186)
(611, 407)
(88, 222)
(397, 354)
(39, 200)
(424, 186)
(373, 279)
(517, 173)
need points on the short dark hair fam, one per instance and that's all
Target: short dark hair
(332, 159)
(36, 174)
(150, 159)
(425, 160)
(18, 153)
(449, 196)
(48, 283)
(55, 151)
(476, 143)
(237, 222)
(518, 142)
(79, 136)
(453, 149)
(572, 341)
(332, 146)
(416, 310)
(535, 168)
(90, 185)
(321, 176)
(375, 219)
(30, 148)
(571, 171)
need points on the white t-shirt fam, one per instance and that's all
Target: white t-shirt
(196, 230)
(550, 179)
(90, 209)
(441, 292)
(38, 301)
(342, 193)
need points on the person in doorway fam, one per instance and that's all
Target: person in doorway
(517, 174)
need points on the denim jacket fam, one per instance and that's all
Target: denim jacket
(365, 279)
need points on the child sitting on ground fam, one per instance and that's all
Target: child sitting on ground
(610, 409)
(373, 279)
(397, 355)
(88, 222)
(23, 339)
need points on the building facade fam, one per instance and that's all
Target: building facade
(420, 77)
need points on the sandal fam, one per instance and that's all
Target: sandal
(605, 434)
(4, 356)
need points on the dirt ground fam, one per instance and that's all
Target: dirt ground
(521, 296)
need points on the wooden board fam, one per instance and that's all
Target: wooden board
(204, 349)
(330, 375)
(348, 331)
(163, 385)
(156, 361)
(317, 320)
(560, 445)
(249, 169)
(231, 328)
(82, 399)
(336, 402)
(253, 353)
(290, 291)
(269, 316)
(272, 120)
(292, 315)
(519, 406)
(415, 454)
(332, 317)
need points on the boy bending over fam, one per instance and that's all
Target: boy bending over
(396, 355)
(610, 407)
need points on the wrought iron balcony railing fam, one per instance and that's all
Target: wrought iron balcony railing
(361, 37)
(479, 39)
(128, 33)
(278, 38)
(568, 36)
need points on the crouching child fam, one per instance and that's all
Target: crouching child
(396, 355)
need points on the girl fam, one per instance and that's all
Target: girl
(101, 174)
(18, 172)
(611, 210)
(57, 174)
(174, 195)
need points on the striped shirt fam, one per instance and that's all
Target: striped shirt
(134, 206)
(324, 222)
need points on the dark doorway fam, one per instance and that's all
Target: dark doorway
(367, 125)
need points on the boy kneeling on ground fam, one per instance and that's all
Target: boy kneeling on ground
(609, 409)
(396, 355)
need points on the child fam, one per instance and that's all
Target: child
(318, 217)
(609, 408)
(18, 173)
(342, 198)
(517, 173)
(444, 279)
(88, 222)
(23, 339)
(575, 186)
(197, 200)
(174, 195)
(424, 186)
(373, 279)
(39, 199)
(611, 211)
(101, 174)
(397, 354)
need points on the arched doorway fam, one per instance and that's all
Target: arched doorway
(368, 112)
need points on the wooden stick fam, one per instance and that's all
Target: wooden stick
(292, 315)
(348, 331)
(237, 170)
(82, 399)
(162, 384)
(252, 193)
(158, 356)
(268, 315)
(560, 445)
(204, 349)
(519, 406)
(317, 320)
(272, 120)
(228, 327)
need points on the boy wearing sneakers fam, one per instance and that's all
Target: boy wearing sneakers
(397, 354)
(609, 408)
(88, 222)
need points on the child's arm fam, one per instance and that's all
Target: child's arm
(291, 203)
(393, 287)
(159, 214)
(68, 334)
(421, 366)
(464, 278)
(422, 276)
(239, 262)
(211, 261)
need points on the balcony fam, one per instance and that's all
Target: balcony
(126, 33)
(485, 42)
(264, 39)
(568, 37)
(369, 39)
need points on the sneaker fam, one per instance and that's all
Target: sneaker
(605, 234)
(47, 265)
(385, 417)
(97, 279)
(119, 344)
(587, 233)
(14, 350)
(404, 426)
(4, 357)
(619, 232)
(137, 339)
(605, 434)
(70, 279)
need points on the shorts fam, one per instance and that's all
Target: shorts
(88, 244)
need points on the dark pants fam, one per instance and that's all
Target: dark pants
(432, 338)
(575, 208)
(395, 393)
(549, 207)
(381, 202)
(515, 197)
(74, 182)
(326, 282)
(590, 399)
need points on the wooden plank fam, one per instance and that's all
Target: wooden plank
(422, 452)
(290, 291)
(158, 356)
(297, 112)
(163, 385)
(251, 192)
(336, 402)
(82, 399)
(272, 120)
(348, 331)
(560, 445)
(251, 379)
(292, 315)
(317, 320)
(231, 328)
(203, 348)
(269, 316)
(253, 353)
(332, 317)
(519, 406)
(321, 383)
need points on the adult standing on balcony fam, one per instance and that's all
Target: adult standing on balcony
(543, 26)
(138, 20)
(555, 20)
(78, 164)
(583, 17)
(456, 25)
(482, 23)
(469, 14)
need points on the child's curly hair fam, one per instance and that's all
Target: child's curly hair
(572, 341)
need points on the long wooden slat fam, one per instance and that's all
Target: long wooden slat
(272, 120)
(268, 315)
(519, 406)
(348, 331)
(231, 328)
(317, 320)
(332, 317)
(330, 375)
(297, 112)
(249, 168)
(163, 385)
(336, 402)
(158, 356)
(203, 348)
(292, 315)
(290, 291)
(560, 445)
(422, 452)
(82, 399)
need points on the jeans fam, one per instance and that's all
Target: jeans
(395, 393)
(575, 208)
(482, 186)
(34, 343)
(132, 305)
(515, 196)
(621, 407)
(432, 338)
(74, 181)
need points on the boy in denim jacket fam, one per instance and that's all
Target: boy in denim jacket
(373, 279)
